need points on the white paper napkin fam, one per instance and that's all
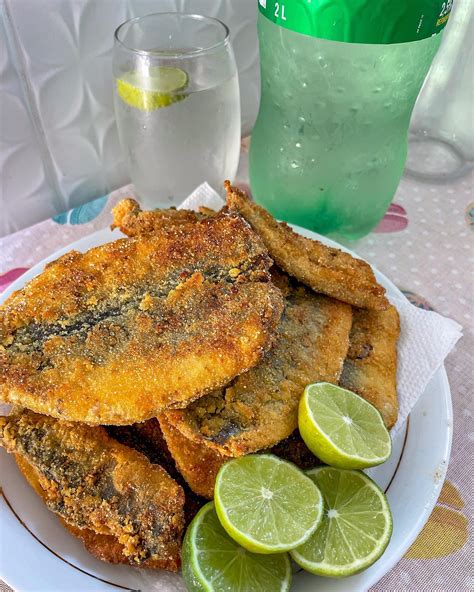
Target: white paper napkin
(426, 337)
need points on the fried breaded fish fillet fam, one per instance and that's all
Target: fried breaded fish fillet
(259, 408)
(147, 438)
(325, 269)
(115, 335)
(95, 483)
(370, 368)
(199, 464)
(107, 548)
(133, 221)
(103, 546)
(196, 462)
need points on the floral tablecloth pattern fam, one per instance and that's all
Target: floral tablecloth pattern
(425, 244)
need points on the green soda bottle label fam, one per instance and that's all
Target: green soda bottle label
(360, 21)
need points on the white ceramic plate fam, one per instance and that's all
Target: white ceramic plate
(38, 554)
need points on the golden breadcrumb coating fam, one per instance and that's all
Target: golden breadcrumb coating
(115, 335)
(370, 368)
(325, 269)
(133, 221)
(260, 407)
(95, 483)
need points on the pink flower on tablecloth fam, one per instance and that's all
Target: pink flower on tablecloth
(417, 300)
(10, 276)
(395, 220)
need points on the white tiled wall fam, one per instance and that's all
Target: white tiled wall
(59, 144)
(23, 177)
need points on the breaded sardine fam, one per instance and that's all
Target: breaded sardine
(196, 462)
(259, 408)
(133, 221)
(103, 546)
(370, 368)
(95, 483)
(115, 335)
(325, 269)
(147, 438)
(199, 464)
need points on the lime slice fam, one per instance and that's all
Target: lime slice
(213, 562)
(341, 428)
(156, 88)
(355, 529)
(266, 504)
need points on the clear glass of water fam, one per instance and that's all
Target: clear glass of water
(177, 104)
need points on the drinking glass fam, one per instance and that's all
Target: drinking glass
(177, 104)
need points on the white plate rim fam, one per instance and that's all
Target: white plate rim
(381, 567)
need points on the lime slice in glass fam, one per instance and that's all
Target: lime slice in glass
(266, 504)
(214, 562)
(155, 88)
(341, 428)
(355, 529)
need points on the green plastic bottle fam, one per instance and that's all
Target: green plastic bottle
(339, 82)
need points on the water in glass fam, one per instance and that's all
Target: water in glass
(191, 136)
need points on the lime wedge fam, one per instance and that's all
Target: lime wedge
(156, 88)
(341, 428)
(266, 504)
(355, 529)
(213, 562)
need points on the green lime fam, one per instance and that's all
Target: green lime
(355, 529)
(214, 562)
(158, 87)
(266, 504)
(341, 428)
